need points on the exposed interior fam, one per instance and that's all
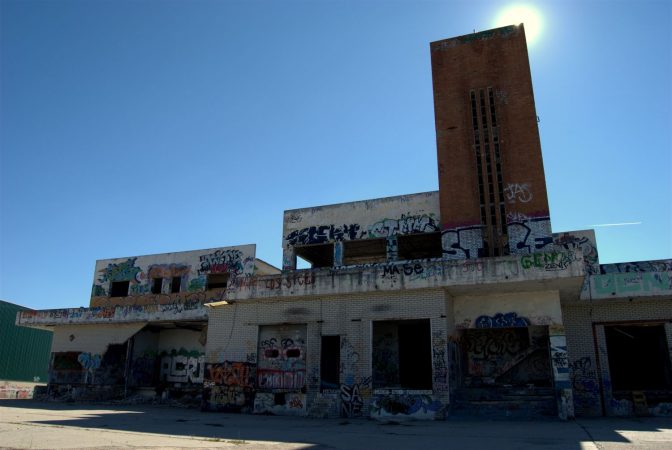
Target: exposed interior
(319, 255)
(419, 246)
(364, 251)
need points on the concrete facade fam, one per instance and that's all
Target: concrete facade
(414, 307)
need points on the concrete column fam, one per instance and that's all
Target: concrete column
(560, 363)
(288, 258)
(338, 253)
(392, 248)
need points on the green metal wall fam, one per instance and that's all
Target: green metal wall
(24, 352)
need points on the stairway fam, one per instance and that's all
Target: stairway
(504, 402)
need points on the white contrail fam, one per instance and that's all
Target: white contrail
(616, 224)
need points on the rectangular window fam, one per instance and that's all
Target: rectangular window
(402, 354)
(119, 289)
(175, 285)
(318, 255)
(364, 251)
(217, 280)
(420, 246)
(330, 363)
(157, 284)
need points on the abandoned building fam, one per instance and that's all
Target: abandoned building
(461, 300)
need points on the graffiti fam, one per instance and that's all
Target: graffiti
(486, 344)
(323, 234)
(182, 366)
(500, 320)
(305, 279)
(580, 240)
(529, 236)
(221, 261)
(167, 271)
(462, 243)
(125, 271)
(281, 379)
(144, 370)
(295, 402)
(407, 224)
(630, 284)
(351, 401)
(294, 217)
(515, 216)
(664, 265)
(439, 360)
(559, 361)
(349, 360)
(229, 386)
(518, 192)
(98, 291)
(89, 361)
(548, 261)
(196, 284)
(584, 378)
(406, 269)
(419, 406)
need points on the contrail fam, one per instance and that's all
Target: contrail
(616, 224)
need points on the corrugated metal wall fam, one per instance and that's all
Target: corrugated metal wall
(24, 352)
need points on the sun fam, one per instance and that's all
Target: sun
(525, 14)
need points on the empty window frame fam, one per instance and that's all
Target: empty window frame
(330, 363)
(364, 251)
(419, 246)
(402, 354)
(157, 285)
(119, 288)
(319, 255)
(175, 285)
(217, 280)
(638, 357)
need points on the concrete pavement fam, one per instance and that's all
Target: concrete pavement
(31, 424)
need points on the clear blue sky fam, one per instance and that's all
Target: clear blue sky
(139, 127)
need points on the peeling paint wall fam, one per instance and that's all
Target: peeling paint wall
(191, 268)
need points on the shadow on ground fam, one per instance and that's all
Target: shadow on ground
(460, 433)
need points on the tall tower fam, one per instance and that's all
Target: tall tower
(492, 188)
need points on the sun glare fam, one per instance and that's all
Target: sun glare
(525, 14)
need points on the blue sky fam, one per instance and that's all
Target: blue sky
(139, 127)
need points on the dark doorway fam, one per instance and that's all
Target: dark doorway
(330, 361)
(638, 357)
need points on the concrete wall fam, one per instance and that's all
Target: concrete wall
(508, 310)
(379, 218)
(191, 267)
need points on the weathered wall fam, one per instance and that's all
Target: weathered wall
(191, 267)
(190, 310)
(411, 275)
(379, 218)
(589, 367)
(239, 332)
(633, 279)
(508, 310)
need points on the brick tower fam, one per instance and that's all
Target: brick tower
(492, 188)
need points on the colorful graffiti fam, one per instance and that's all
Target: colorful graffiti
(221, 261)
(500, 320)
(229, 386)
(581, 240)
(630, 284)
(410, 405)
(125, 271)
(439, 361)
(550, 261)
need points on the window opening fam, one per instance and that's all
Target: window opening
(330, 362)
(318, 255)
(119, 289)
(419, 246)
(175, 285)
(217, 280)
(364, 251)
(402, 356)
(157, 284)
